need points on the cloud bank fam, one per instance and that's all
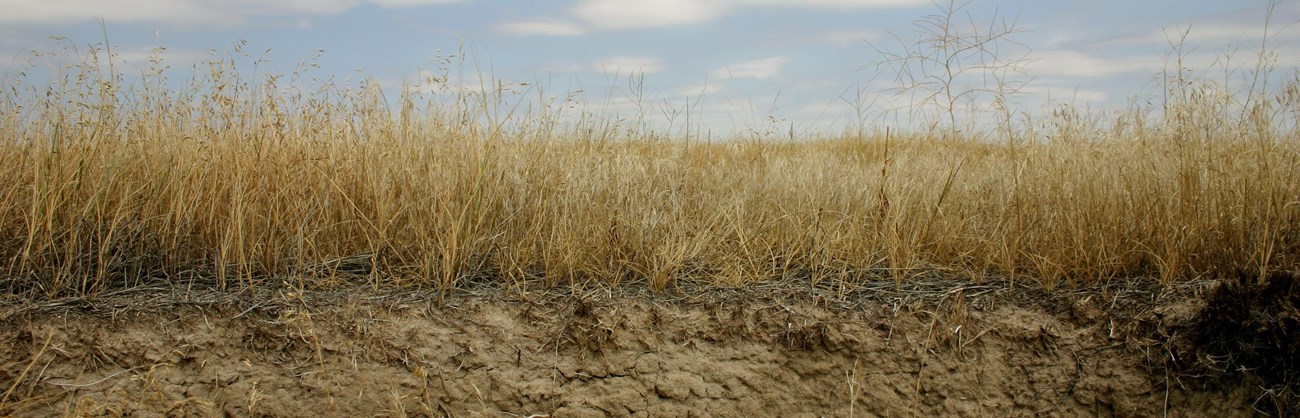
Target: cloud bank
(757, 69)
(543, 27)
(178, 11)
(638, 14)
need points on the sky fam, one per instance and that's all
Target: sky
(756, 66)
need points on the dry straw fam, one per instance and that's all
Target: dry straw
(239, 181)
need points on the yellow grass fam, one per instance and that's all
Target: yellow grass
(238, 181)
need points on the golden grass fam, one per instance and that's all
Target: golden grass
(238, 181)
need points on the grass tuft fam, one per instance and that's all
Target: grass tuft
(239, 180)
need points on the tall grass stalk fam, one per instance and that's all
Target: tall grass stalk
(238, 181)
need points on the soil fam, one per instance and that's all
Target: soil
(878, 349)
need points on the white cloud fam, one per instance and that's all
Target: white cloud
(1066, 63)
(621, 65)
(435, 83)
(836, 4)
(252, 7)
(628, 65)
(1243, 28)
(849, 37)
(177, 11)
(639, 14)
(636, 14)
(551, 27)
(1207, 44)
(760, 68)
(410, 3)
(697, 90)
(140, 56)
(1065, 94)
(1060, 64)
(1197, 35)
(35, 12)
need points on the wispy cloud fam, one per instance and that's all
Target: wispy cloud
(401, 3)
(639, 14)
(1204, 34)
(1077, 64)
(137, 57)
(1067, 94)
(842, 4)
(435, 83)
(33, 12)
(1068, 63)
(621, 65)
(1243, 27)
(628, 65)
(849, 37)
(697, 90)
(759, 69)
(545, 27)
(177, 11)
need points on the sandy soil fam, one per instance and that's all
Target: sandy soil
(930, 349)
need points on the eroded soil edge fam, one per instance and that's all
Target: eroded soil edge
(943, 350)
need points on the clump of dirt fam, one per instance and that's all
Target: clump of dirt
(1250, 325)
(880, 349)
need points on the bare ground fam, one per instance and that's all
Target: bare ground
(925, 349)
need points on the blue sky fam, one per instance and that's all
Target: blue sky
(737, 65)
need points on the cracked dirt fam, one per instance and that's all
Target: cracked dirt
(963, 351)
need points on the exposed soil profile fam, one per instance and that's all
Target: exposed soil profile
(929, 349)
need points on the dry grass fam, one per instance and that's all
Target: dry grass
(243, 181)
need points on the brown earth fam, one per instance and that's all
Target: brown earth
(925, 349)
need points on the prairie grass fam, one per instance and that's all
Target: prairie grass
(241, 181)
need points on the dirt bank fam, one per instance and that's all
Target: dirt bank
(930, 349)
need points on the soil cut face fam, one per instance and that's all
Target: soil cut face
(926, 349)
